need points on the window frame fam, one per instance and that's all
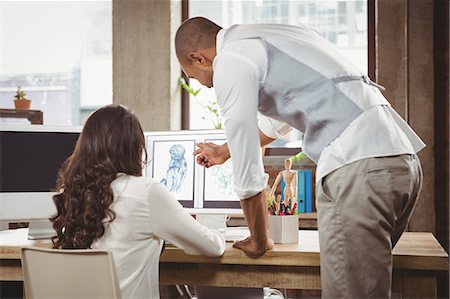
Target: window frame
(185, 107)
(284, 151)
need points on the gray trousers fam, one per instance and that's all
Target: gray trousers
(363, 208)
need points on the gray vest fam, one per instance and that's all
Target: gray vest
(304, 98)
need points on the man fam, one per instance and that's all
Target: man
(368, 175)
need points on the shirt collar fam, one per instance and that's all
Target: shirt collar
(219, 39)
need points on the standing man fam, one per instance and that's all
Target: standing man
(368, 175)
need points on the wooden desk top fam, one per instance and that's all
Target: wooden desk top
(415, 250)
(11, 241)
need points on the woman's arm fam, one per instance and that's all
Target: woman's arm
(172, 223)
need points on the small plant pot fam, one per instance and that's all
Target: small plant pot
(22, 104)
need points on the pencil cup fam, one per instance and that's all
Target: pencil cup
(283, 229)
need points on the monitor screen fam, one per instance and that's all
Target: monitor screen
(29, 161)
(200, 189)
(30, 157)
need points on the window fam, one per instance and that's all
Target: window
(60, 53)
(344, 23)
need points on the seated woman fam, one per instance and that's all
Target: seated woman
(105, 203)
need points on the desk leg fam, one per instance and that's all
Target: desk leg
(397, 284)
(417, 284)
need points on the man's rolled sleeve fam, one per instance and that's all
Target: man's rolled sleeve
(236, 81)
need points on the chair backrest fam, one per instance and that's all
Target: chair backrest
(81, 273)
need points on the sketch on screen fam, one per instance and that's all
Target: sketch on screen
(219, 181)
(176, 171)
(223, 178)
(173, 166)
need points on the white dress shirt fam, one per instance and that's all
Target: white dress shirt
(146, 215)
(239, 69)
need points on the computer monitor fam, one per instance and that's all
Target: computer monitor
(30, 157)
(200, 190)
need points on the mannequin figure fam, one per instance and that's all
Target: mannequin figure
(290, 179)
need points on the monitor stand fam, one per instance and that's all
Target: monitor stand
(217, 222)
(40, 229)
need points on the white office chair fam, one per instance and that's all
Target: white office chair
(81, 273)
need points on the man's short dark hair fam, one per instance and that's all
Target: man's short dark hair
(194, 34)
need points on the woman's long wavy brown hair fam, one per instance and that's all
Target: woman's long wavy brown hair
(111, 142)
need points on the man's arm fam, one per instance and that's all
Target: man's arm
(255, 212)
(236, 81)
(210, 154)
(265, 140)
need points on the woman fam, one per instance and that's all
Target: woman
(105, 203)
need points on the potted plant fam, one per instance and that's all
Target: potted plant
(21, 102)
(212, 107)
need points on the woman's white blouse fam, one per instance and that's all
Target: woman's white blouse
(146, 215)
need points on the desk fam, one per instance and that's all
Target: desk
(36, 117)
(418, 260)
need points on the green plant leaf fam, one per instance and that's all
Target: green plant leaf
(298, 157)
(188, 88)
(212, 107)
(20, 94)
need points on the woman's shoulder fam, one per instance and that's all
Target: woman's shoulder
(137, 183)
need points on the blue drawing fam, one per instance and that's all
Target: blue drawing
(176, 172)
